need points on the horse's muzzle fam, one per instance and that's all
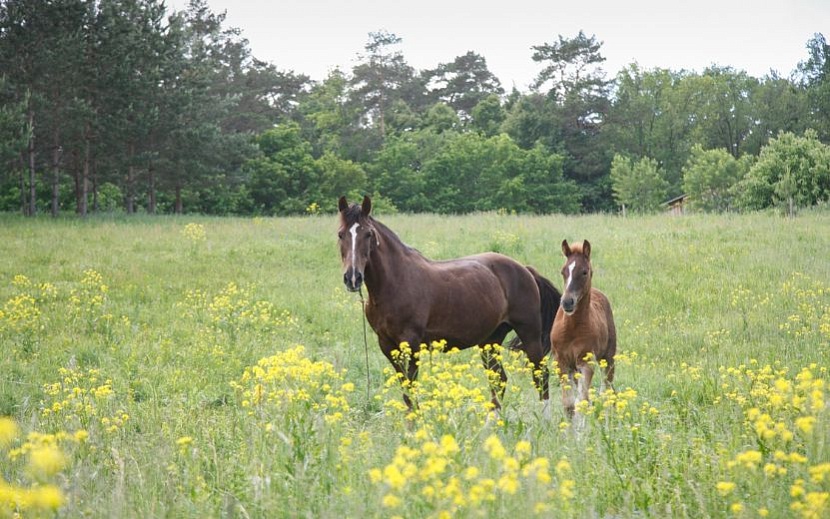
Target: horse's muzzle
(353, 280)
(568, 305)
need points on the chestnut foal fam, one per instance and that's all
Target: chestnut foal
(583, 332)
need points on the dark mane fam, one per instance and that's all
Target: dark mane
(354, 214)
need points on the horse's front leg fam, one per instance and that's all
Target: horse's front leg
(406, 366)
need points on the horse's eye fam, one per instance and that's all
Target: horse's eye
(341, 235)
(584, 272)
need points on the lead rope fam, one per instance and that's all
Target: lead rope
(365, 345)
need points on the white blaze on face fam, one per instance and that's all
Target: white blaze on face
(353, 232)
(570, 275)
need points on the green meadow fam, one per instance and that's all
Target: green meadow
(215, 367)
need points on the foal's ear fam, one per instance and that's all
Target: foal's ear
(343, 204)
(367, 205)
(566, 249)
(586, 249)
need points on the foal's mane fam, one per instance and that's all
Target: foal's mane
(576, 248)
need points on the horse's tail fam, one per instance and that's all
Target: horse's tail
(549, 298)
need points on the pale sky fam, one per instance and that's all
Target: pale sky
(314, 36)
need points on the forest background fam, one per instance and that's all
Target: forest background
(129, 106)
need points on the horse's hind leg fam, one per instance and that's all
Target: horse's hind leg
(494, 368)
(532, 346)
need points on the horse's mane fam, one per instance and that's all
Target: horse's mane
(354, 214)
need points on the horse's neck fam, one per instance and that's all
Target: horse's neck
(583, 308)
(388, 265)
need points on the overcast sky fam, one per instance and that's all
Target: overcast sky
(314, 36)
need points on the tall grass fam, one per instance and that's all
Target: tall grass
(196, 367)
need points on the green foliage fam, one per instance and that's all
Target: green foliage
(709, 177)
(638, 185)
(285, 179)
(815, 73)
(791, 171)
(338, 177)
(488, 116)
(169, 107)
(463, 84)
(441, 118)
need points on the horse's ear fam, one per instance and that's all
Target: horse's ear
(566, 249)
(586, 249)
(367, 205)
(343, 204)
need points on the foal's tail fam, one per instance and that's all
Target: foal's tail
(550, 298)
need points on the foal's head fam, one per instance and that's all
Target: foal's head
(357, 237)
(576, 273)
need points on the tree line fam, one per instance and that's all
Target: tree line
(124, 105)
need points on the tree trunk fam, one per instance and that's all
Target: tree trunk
(130, 194)
(56, 174)
(32, 207)
(22, 178)
(83, 207)
(94, 179)
(151, 187)
(178, 209)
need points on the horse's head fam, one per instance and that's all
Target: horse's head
(577, 274)
(357, 237)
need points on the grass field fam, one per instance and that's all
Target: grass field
(205, 367)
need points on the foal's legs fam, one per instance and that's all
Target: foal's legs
(608, 379)
(568, 392)
(587, 374)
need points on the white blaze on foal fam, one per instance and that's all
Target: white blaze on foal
(570, 273)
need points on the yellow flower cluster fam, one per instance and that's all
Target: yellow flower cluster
(195, 232)
(432, 476)
(452, 390)
(313, 208)
(617, 405)
(45, 460)
(89, 300)
(82, 399)
(784, 414)
(812, 316)
(22, 312)
(232, 309)
(287, 385)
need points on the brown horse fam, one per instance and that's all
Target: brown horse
(471, 301)
(584, 327)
